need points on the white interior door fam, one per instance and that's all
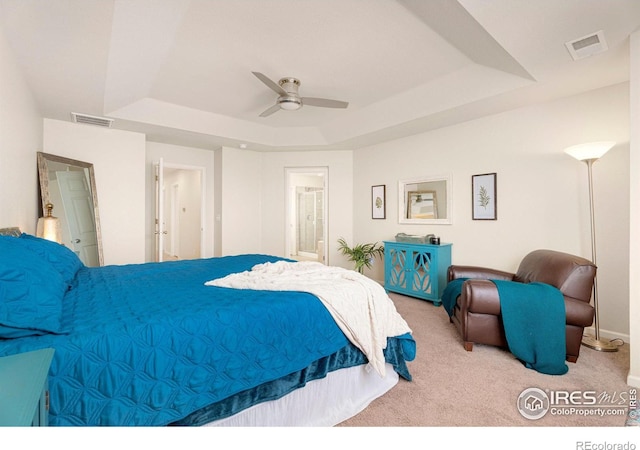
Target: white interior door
(159, 219)
(174, 220)
(78, 206)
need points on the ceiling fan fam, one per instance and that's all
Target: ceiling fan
(288, 97)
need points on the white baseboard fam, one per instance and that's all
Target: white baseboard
(609, 335)
(633, 380)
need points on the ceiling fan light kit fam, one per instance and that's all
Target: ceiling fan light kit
(288, 97)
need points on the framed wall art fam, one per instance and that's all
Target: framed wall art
(484, 201)
(378, 202)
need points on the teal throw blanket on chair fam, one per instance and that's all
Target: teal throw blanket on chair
(450, 294)
(534, 320)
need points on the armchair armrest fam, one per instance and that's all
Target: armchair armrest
(477, 272)
(480, 296)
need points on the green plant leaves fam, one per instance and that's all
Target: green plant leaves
(361, 254)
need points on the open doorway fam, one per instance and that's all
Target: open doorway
(180, 212)
(306, 220)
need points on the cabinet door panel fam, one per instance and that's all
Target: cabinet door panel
(397, 271)
(421, 276)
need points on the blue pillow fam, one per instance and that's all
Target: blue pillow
(62, 258)
(31, 292)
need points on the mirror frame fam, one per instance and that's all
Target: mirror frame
(402, 205)
(43, 177)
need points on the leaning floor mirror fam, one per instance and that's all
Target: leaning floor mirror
(69, 185)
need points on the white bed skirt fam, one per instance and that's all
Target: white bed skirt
(321, 403)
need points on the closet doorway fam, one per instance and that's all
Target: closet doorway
(306, 213)
(179, 212)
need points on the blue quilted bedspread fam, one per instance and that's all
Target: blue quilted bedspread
(150, 344)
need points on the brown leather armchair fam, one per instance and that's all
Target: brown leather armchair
(476, 313)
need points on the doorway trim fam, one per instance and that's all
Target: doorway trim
(290, 199)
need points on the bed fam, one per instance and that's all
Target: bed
(153, 345)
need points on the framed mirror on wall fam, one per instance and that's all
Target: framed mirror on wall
(70, 186)
(425, 200)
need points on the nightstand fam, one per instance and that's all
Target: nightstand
(24, 396)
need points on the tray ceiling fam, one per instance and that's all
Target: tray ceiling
(181, 70)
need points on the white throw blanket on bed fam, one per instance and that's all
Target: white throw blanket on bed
(360, 306)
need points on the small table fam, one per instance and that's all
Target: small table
(24, 389)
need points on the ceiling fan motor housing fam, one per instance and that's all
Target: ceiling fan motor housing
(292, 101)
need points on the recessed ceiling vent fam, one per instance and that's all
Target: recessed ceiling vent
(92, 120)
(587, 46)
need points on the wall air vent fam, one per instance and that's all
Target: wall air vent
(587, 46)
(92, 120)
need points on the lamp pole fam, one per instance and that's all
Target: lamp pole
(594, 342)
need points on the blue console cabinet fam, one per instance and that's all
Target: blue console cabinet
(417, 270)
(24, 388)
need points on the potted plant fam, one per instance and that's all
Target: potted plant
(362, 254)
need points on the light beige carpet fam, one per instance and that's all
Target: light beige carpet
(452, 387)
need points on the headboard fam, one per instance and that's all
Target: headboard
(12, 231)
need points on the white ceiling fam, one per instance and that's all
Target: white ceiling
(180, 70)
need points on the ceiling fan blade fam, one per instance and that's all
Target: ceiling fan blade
(270, 84)
(324, 102)
(270, 111)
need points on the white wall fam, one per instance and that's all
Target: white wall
(20, 139)
(542, 198)
(175, 155)
(634, 207)
(339, 199)
(119, 165)
(240, 211)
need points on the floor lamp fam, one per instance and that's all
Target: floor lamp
(590, 153)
